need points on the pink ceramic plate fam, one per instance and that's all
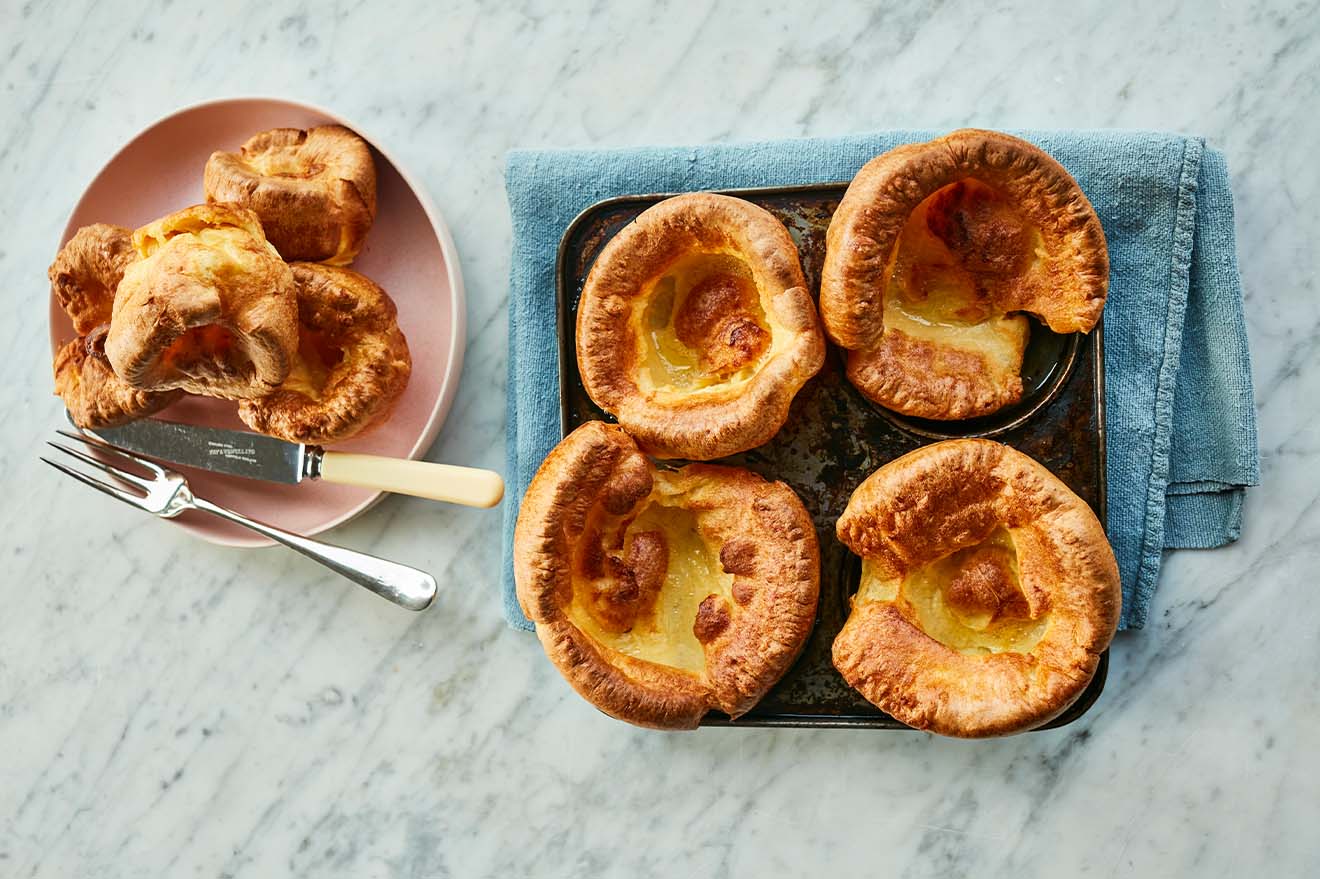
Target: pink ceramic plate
(408, 252)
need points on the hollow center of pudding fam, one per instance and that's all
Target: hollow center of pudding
(200, 236)
(650, 591)
(971, 600)
(289, 163)
(200, 344)
(704, 323)
(310, 371)
(965, 260)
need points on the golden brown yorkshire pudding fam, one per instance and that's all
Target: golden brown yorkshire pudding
(352, 362)
(93, 394)
(696, 329)
(988, 591)
(314, 190)
(83, 279)
(662, 594)
(87, 271)
(933, 253)
(209, 307)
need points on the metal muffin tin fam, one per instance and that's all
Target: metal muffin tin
(835, 438)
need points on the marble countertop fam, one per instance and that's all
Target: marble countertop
(171, 708)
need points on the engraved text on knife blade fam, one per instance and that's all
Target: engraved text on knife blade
(248, 455)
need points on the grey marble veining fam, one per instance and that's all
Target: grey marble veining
(170, 708)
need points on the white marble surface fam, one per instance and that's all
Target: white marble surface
(168, 708)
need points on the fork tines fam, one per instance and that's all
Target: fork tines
(143, 485)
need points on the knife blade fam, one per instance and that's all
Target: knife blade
(235, 452)
(256, 456)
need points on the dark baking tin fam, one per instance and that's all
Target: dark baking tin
(835, 438)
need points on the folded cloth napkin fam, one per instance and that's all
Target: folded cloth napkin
(1180, 418)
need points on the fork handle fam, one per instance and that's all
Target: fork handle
(405, 586)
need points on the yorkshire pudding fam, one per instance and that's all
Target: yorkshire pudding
(696, 329)
(209, 307)
(661, 594)
(352, 362)
(93, 394)
(314, 190)
(933, 254)
(83, 279)
(988, 591)
(87, 271)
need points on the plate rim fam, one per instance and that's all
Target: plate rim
(453, 368)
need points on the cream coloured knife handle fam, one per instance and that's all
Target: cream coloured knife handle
(439, 482)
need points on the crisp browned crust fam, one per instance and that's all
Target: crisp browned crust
(947, 497)
(921, 378)
(722, 420)
(593, 484)
(83, 279)
(866, 228)
(93, 394)
(314, 190)
(208, 307)
(87, 271)
(343, 315)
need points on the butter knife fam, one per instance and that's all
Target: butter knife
(256, 456)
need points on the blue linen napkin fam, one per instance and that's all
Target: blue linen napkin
(1180, 415)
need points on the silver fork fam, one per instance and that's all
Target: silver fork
(166, 494)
